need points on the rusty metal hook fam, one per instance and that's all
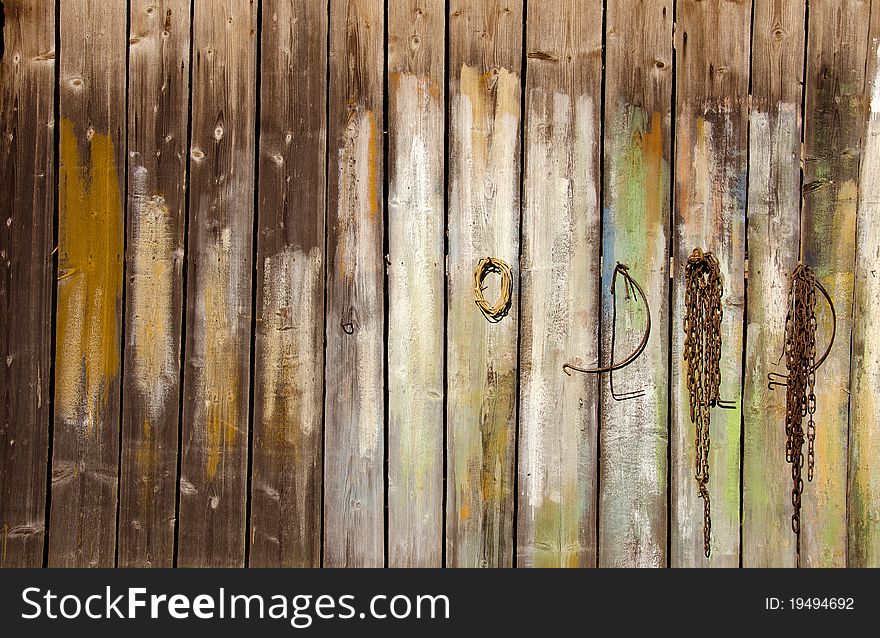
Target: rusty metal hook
(630, 284)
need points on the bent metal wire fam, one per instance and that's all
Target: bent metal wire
(702, 355)
(629, 284)
(800, 382)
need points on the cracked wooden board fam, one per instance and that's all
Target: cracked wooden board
(354, 484)
(560, 292)
(712, 68)
(288, 387)
(635, 432)
(159, 42)
(88, 356)
(774, 242)
(27, 172)
(214, 447)
(485, 42)
(416, 282)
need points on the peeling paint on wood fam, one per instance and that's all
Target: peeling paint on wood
(27, 174)
(635, 433)
(560, 295)
(415, 284)
(833, 126)
(354, 534)
(710, 200)
(484, 97)
(774, 234)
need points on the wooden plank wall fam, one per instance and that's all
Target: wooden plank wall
(237, 279)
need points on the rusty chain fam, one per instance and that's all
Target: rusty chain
(702, 355)
(800, 382)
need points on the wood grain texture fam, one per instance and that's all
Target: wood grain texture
(560, 292)
(288, 388)
(834, 124)
(88, 355)
(215, 411)
(635, 433)
(27, 175)
(354, 482)
(157, 163)
(712, 74)
(773, 233)
(416, 282)
(863, 502)
(485, 41)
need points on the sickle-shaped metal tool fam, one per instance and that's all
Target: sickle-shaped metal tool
(629, 284)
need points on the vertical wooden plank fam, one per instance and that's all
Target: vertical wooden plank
(560, 290)
(416, 54)
(218, 314)
(863, 511)
(484, 170)
(288, 389)
(354, 424)
(712, 45)
(157, 164)
(90, 269)
(834, 122)
(27, 175)
(773, 233)
(635, 432)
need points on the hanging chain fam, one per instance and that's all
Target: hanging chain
(800, 397)
(702, 354)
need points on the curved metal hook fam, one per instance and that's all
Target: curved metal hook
(629, 283)
(774, 377)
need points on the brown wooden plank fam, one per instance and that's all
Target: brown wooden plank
(484, 177)
(27, 180)
(416, 50)
(774, 234)
(215, 416)
(560, 291)
(834, 122)
(863, 500)
(712, 68)
(635, 432)
(88, 355)
(354, 417)
(288, 388)
(157, 164)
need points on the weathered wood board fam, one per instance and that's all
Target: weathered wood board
(634, 433)
(354, 499)
(863, 502)
(213, 466)
(712, 79)
(560, 290)
(91, 223)
(484, 181)
(833, 127)
(27, 174)
(289, 380)
(158, 108)
(774, 242)
(416, 282)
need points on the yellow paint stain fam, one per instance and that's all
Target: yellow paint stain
(465, 512)
(220, 388)
(89, 276)
(652, 149)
